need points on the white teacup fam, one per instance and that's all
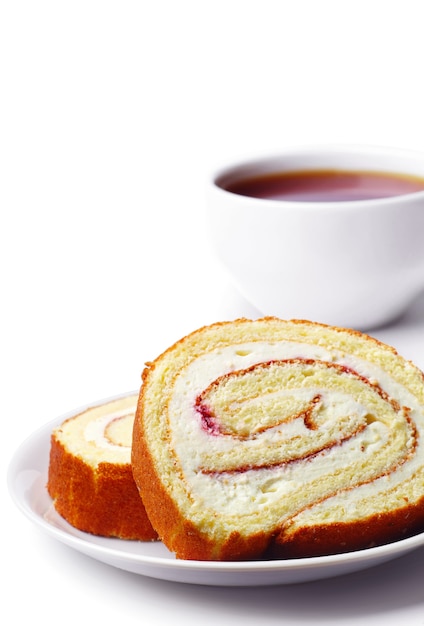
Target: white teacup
(354, 263)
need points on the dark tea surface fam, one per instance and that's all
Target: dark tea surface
(327, 185)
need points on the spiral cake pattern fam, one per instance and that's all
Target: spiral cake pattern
(90, 477)
(274, 438)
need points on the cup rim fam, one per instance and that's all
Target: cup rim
(262, 164)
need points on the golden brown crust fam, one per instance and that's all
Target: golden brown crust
(339, 537)
(102, 501)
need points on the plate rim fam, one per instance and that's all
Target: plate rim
(85, 543)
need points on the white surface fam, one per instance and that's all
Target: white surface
(112, 116)
(27, 477)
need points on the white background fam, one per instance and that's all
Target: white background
(112, 116)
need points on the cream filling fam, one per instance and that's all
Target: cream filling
(102, 433)
(96, 431)
(246, 493)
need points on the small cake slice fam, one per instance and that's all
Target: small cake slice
(279, 439)
(90, 478)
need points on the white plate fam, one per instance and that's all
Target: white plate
(27, 478)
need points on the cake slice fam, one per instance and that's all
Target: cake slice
(90, 478)
(279, 439)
